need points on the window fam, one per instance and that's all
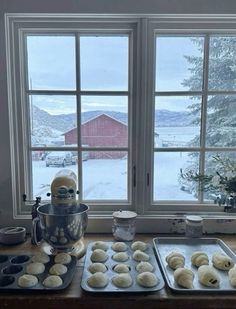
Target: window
(126, 103)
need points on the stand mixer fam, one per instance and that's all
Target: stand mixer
(64, 220)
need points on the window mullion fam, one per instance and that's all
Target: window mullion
(78, 111)
(204, 112)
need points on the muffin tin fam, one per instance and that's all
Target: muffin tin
(14, 266)
(110, 264)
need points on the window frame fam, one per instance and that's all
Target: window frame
(143, 90)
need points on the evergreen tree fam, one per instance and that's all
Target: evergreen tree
(221, 108)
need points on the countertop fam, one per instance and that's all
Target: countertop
(74, 297)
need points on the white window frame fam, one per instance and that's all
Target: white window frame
(143, 90)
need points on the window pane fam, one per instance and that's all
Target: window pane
(51, 62)
(53, 120)
(177, 121)
(104, 121)
(222, 63)
(104, 62)
(105, 176)
(221, 120)
(179, 63)
(225, 167)
(167, 182)
(44, 170)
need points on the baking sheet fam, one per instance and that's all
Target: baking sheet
(187, 246)
(14, 266)
(110, 263)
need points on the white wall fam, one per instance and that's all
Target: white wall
(79, 6)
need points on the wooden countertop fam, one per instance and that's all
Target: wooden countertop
(74, 297)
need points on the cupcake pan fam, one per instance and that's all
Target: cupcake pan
(14, 266)
(110, 264)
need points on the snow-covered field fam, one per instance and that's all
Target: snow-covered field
(107, 179)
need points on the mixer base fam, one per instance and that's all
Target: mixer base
(78, 249)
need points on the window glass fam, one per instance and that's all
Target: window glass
(177, 121)
(45, 166)
(176, 59)
(221, 119)
(222, 63)
(105, 175)
(168, 184)
(104, 121)
(104, 62)
(53, 120)
(51, 62)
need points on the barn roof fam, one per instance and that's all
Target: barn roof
(97, 116)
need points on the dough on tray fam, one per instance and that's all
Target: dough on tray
(27, 281)
(58, 269)
(121, 268)
(147, 279)
(184, 277)
(41, 257)
(175, 260)
(120, 257)
(199, 258)
(100, 245)
(97, 267)
(99, 255)
(144, 266)
(52, 281)
(208, 276)
(35, 268)
(122, 280)
(139, 245)
(98, 280)
(62, 258)
(119, 246)
(140, 256)
(232, 276)
(222, 261)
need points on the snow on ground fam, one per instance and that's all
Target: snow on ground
(107, 179)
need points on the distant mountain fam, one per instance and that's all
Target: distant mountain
(65, 122)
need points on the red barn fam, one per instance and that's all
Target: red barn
(101, 131)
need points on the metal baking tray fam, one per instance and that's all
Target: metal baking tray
(110, 263)
(187, 246)
(14, 266)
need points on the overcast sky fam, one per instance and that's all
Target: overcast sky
(104, 66)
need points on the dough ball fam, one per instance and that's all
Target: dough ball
(27, 281)
(120, 257)
(140, 256)
(143, 267)
(199, 258)
(99, 255)
(175, 260)
(119, 246)
(35, 268)
(100, 245)
(97, 267)
(139, 245)
(122, 280)
(41, 258)
(222, 261)
(208, 276)
(147, 279)
(52, 281)
(58, 269)
(98, 280)
(62, 258)
(232, 276)
(121, 268)
(184, 277)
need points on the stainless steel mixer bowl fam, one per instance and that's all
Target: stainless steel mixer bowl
(63, 228)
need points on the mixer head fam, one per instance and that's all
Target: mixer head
(63, 189)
